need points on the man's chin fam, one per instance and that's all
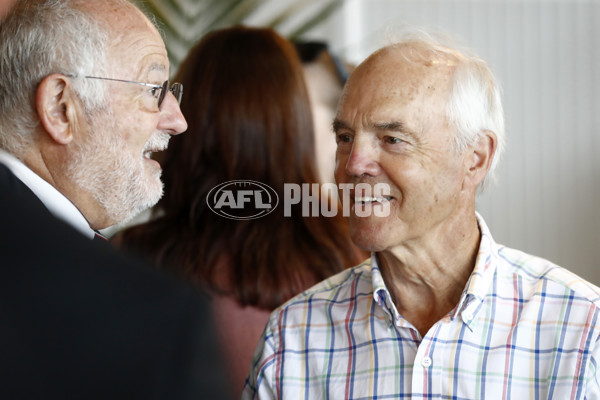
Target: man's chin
(155, 192)
(144, 197)
(369, 247)
(152, 167)
(139, 208)
(367, 239)
(152, 184)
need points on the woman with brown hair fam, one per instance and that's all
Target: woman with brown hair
(249, 119)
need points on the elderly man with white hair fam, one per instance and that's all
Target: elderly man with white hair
(84, 100)
(440, 310)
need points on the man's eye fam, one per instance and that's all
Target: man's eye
(392, 140)
(155, 91)
(343, 138)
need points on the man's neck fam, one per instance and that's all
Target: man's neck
(60, 206)
(427, 279)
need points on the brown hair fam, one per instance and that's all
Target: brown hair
(249, 119)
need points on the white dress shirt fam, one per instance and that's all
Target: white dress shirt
(55, 202)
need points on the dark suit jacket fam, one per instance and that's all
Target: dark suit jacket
(80, 321)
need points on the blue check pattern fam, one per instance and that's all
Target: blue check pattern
(523, 329)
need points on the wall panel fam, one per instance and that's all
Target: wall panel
(546, 55)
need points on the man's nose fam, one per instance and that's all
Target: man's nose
(363, 158)
(172, 120)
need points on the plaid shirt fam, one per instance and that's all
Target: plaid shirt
(523, 329)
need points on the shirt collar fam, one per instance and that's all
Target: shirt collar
(478, 285)
(484, 270)
(476, 289)
(381, 295)
(54, 201)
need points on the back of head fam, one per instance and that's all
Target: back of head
(245, 92)
(248, 114)
(249, 118)
(38, 38)
(311, 52)
(325, 76)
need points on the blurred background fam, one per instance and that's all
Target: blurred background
(546, 55)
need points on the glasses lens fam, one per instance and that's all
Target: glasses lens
(177, 90)
(163, 92)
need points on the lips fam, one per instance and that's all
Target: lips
(148, 153)
(371, 200)
(157, 142)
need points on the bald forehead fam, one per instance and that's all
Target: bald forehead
(116, 16)
(135, 47)
(105, 6)
(404, 70)
(404, 85)
(421, 52)
(415, 57)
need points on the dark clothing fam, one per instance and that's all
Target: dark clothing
(78, 320)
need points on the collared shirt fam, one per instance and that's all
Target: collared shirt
(524, 328)
(55, 202)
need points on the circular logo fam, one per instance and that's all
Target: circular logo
(241, 199)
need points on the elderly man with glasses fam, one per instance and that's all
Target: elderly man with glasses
(85, 100)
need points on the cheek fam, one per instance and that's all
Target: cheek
(402, 170)
(138, 134)
(340, 167)
(451, 174)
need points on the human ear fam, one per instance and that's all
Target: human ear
(480, 157)
(53, 103)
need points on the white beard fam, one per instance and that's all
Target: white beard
(117, 180)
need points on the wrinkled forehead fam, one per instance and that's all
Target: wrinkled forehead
(403, 74)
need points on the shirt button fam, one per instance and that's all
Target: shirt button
(426, 362)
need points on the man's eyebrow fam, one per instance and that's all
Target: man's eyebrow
(339, 125)
(157, 67)
(394, 126)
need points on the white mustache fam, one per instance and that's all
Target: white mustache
(157, 142)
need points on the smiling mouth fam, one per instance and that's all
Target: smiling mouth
(157, 142)
(363, 200)
(148, 153)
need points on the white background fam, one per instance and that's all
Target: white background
(546, 55)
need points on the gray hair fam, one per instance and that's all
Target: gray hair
(475, 102)
(38, 38)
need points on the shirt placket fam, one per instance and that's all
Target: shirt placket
(429, 360)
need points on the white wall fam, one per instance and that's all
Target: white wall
(546, 55)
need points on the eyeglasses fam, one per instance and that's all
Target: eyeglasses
(158, 91)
